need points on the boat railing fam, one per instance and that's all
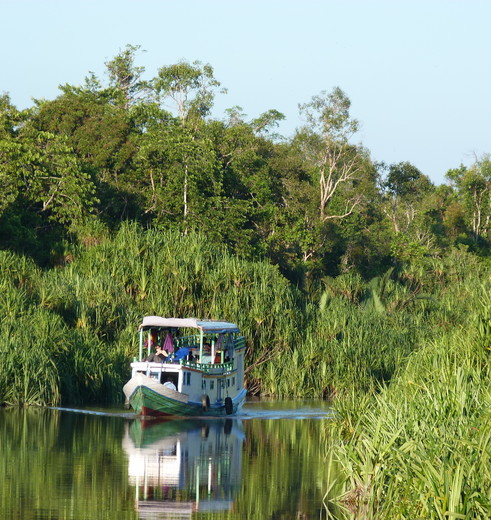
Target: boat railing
(187, 341)
(154, 367)
(209, 367)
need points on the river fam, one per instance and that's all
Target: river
(268, 462)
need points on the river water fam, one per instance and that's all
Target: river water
(268, 462)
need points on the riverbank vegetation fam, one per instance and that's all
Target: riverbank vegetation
(420, 447)
(357, 281)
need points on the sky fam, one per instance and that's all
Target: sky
(417, 72)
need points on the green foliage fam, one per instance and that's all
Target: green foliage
(420, 448)
(474, 193)
(190, 86)
(92, 306)
(329, 114)
(125, 77)
(356, 335)
(135, 211)
(405, 181)
(314, 205)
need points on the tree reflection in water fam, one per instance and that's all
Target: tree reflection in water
(56, 464)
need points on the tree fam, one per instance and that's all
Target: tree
(326, 143)
(267, 121)
(46, 176)
(97, 130)
(40, 170)
(178, 175)
(125, 78)
(251, 187)
(405, 187)
(10, 120)
(104, 137)
(191, 87)
(474, 187)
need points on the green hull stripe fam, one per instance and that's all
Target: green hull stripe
(145, 397)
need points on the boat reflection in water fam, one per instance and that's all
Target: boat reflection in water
(182, 466)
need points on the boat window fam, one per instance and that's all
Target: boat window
(212, 384)
(187, 378)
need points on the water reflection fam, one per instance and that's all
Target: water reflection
(178, 467)
(269, 463)
(59, 465)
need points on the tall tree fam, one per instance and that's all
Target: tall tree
(329, 128)
(474, 187)
(405, 186)
(125, 79)
(251, 187)
(178, 175)
(10, 120)
(104, 136)
(190, 87)
(46, 175)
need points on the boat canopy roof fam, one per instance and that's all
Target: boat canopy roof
(218, 327)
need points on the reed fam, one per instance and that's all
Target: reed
(98, 299)
(355, 335)
(29, 374)
(420, 448)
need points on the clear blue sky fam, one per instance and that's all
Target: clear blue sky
(418, 72)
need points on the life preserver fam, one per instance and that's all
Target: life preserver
(205, 402)
(229, 406)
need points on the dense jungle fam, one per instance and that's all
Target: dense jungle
(352, 280)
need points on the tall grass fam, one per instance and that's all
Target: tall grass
(406, 355)
(421, 448)
(99, 299)
(355, 337)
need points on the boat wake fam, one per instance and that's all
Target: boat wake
(107, 413)
(251, 410)
(272, 413)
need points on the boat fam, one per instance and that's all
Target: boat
(180, 467)
(203, 374)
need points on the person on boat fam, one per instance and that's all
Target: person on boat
(170, 384)
(152, 340)
(159, 356)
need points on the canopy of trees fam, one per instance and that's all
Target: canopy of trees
(315, 204)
